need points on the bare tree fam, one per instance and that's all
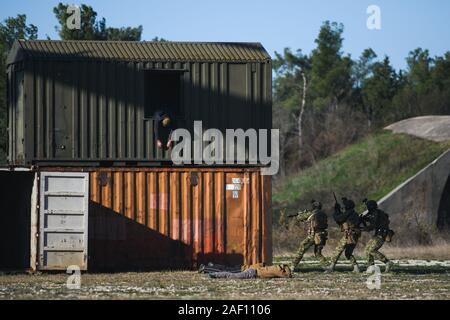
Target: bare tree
(301, 113)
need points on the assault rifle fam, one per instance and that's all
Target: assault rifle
(337, 205)
(296, 214)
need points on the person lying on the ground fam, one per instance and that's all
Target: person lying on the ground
(214, 267)
(255, 271)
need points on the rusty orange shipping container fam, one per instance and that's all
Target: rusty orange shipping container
(157, 218)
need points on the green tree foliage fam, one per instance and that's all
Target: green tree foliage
(424, 86)
(159, 39)
(291, 87)
(419, 70)
(288, 84)
(363, 67)
(91, 28)
(331, 71)
(124, 34)
(315, 90)
(379, 89)
(328, 71)
(441, 73)
(347, 99)
(16, 28)
(10, 30)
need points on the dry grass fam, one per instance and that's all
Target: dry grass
(437, 251)
(402, 248)
(405, 282)
(434, 252)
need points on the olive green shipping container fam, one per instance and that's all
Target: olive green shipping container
(92, 102)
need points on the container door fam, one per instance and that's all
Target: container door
(235, 218)
(64, 203)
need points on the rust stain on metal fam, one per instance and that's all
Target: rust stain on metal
(156, 217)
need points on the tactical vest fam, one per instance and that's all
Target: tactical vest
(381, 224)
(383, 219)
(317, 222)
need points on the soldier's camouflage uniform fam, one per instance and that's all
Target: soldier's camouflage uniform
(377, 220)
(317, 221)
(349, 221)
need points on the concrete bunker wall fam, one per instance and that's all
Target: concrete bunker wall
(423, 196)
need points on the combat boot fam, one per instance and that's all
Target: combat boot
(294, 268)
(356, 269)
(389, 266)
(330, 268)
(370, 268)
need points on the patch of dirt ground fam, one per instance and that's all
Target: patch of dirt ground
(410, 279)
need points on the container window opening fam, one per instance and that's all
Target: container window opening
(163, 93)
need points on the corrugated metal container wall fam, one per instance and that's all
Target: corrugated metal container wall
(159, 218)
(82, 108)
(137, 218)
(16, 116)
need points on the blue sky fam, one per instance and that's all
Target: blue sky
(405, 24)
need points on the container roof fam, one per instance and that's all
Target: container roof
(137, 51)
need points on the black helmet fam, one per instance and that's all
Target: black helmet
(348, 204)
(316, 204)
(370, 204)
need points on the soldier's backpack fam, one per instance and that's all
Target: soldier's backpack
(339, 216)
(383, 219)
(383, 226)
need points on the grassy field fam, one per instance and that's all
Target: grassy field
(411, 279)
(370, 168)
